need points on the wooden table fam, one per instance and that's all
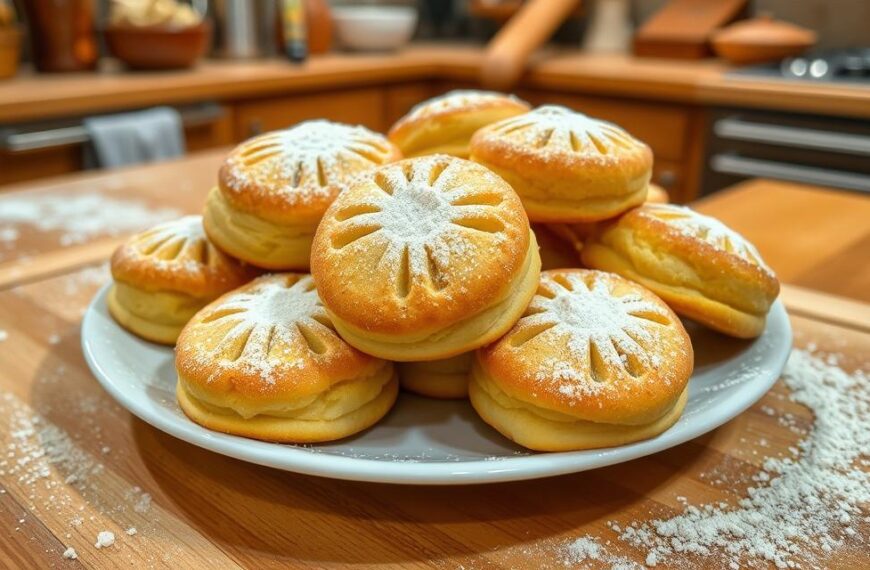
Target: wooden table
(192, 508)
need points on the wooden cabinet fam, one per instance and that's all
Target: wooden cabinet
(353, 106)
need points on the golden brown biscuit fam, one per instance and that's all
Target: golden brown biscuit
(700, 267)
(166, 274)
(446, 123)
(565, 166)
(596, 361)
(265, 362)
(556, 251)
(575, 235)
(445, 379)
(657, 195)
(425, 259)
(274, 188)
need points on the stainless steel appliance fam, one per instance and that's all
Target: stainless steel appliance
(816, 150)
(840, 66)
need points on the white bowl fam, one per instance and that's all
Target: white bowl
(374, 28)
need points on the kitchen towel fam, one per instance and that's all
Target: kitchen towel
(135, 138)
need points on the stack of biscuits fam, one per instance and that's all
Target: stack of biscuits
(327, 272)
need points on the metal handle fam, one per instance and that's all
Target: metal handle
(13, 141)
(739, 129)
(742, 166)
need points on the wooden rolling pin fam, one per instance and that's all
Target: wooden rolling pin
(509, 50)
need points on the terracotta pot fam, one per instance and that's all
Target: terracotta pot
(761, 39)
(10, 51)
(159, 47)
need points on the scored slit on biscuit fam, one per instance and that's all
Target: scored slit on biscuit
(599, 145)
(530, 330)
(312, 339)
(482, 223)
(347, 236)
(477, 199)
(436, 276)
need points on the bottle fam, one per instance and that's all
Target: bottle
(62, 33)
(293, 19)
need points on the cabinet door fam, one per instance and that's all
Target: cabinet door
(353, 106)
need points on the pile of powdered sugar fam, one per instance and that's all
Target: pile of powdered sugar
(78, 217)
(800, 510)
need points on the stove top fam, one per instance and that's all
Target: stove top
(840, 66)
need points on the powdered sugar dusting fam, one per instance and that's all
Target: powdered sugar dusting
(78, 217)
(457, 100)
(553, 129)
(306, 162)
(800, 509)
(427, 220)
(711, 230)
(180, 243)
(259, 324)
(608, 334)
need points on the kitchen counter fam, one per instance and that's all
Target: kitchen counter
(29, 97)
(192, 508)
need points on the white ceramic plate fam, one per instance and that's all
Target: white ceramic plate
(425, 441)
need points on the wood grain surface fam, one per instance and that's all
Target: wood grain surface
(191, 508)
(206, 509)
(179, 185)
(29, 96)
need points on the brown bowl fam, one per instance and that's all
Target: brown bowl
(10, 51)
(760, 40)
(159, 47)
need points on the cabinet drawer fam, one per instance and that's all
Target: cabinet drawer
(663, 127)
(355, 106)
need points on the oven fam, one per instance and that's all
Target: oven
(816, 150)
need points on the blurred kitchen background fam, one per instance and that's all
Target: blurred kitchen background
(722, 90)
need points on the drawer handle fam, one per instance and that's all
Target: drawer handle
(742, 166)
(780, 135)
(13, 141)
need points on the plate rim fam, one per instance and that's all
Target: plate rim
(302, 460)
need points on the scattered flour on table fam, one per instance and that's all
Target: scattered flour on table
(3, 335)
(50, 472)
(77, 217)
(799, 510)
(105, 539)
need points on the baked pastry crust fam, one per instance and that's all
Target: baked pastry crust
(445, 124)
(425, 259)
(575, 235)
(274, 188)
(165, 274)
(265, 362)
(445, 379)
(596, 360)
(704, 270)
(556, 251)
(565, 166)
